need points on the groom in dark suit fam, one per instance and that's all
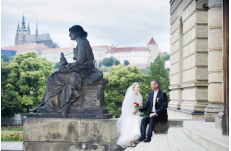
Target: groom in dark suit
(157, 104)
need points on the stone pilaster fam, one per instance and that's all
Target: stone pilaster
(215, 66)
(189, 57)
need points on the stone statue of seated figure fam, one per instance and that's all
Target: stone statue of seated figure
(64, 84)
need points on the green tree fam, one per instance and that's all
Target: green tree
(158, 72)
(27, 79)
(108, 62)
(126, 62)
(117, 62)
(166, 55)
(120, 78)
(6, 58)
(100, 63)
(10, 101)
(57, 65)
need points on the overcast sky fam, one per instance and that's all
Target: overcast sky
(125, 23)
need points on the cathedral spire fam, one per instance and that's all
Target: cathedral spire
(23, 23)
(28, 28)
(18, 27)
(36, 32)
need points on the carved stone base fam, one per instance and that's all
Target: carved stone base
(65, 134)
(89, 104)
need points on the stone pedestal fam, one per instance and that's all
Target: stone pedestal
(63, 134)
(89, 105)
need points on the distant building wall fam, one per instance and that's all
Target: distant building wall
(9, 53)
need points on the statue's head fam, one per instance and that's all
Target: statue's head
(76, 31)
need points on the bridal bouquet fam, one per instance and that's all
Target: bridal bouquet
(137, 106)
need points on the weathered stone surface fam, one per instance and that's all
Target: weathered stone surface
(215, 93)
(175, 47)
(177, 114)
(176, 94)
(190, 7)
(174, 69)
(198, 45)
(199, 59)
(60, 146)
(37, 146)
(200, 73)
(174, 37)
(194, 106)
(174, 79)
(58, 134)
(175, 58)
(199, 17)
(215, 17)
(199, 31)
(215, 76)
(215, 61)
(215, 39)
(195, 94)
(51, 129)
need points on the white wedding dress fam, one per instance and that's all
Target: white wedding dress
(128, 125)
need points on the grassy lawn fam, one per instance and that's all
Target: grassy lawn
(5, 136)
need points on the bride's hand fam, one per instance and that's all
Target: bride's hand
(135, 110)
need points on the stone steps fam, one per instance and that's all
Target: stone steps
(159, 143)
(207, 135)
(178, 141)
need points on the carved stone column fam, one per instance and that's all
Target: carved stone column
(215, 65)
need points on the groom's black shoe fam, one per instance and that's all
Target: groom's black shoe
(147, 139)
(140, 139)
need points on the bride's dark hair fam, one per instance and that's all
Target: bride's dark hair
(134, 85)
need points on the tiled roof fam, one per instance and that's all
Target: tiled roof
(57, 49)
(152, 41)
(104, 46)
(26, 47)
(127, 49)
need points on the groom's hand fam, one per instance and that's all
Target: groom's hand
(152, 114)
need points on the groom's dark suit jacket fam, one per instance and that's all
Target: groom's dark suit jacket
(160, 106)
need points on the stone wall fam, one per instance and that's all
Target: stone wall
(56, 134)
(189, 57)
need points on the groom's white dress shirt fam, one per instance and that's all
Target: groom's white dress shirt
(154, 101)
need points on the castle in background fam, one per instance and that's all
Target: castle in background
(138, 56)
(23, 36)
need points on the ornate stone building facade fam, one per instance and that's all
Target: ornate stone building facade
(198, 48)
(23, 36)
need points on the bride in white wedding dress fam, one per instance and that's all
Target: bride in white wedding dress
(128, 125)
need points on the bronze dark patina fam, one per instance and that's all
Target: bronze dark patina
(76, 89)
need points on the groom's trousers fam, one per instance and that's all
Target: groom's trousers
(151, 121)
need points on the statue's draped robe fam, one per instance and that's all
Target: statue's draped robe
(62, 87)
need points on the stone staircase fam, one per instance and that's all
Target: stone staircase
(193, 135)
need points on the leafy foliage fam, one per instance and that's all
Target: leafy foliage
(120, 78)
(108, 62)
(126, 62)
(158, 72)
(166, 56)
(6, 58)
(57, 65)
(25, 83)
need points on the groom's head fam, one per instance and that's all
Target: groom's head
(155, 85)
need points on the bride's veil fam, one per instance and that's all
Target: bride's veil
(127, 108)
